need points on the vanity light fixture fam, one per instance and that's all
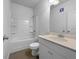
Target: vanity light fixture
(54, 2)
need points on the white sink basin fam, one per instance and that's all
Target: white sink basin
(57, 37)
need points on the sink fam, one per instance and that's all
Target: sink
(57, 37)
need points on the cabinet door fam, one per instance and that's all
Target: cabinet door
(58, 51)
(56, 55)
(45, 53)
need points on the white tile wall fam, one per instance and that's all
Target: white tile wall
(24, 24)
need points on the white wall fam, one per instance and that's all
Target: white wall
(21, 12)
(6, 26)
(6, 17)
(42, 13)
(63, 20)
(21, 16)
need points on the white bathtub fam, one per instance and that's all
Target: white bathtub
(16, 44)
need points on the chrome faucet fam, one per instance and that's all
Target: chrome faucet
(5, 37)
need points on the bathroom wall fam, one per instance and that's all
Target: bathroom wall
(6, 17)
(6, 26)
(65, 20)
(42, 13)
(22, 17)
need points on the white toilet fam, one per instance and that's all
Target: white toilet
(35, 48)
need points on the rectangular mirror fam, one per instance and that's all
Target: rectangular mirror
(63, 17)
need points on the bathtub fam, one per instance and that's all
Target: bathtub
(15, 45)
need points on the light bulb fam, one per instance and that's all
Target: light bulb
(54, 2)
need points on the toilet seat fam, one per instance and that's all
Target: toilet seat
(34, 45)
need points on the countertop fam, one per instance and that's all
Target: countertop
(67, 41)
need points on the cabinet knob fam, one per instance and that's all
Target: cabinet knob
(63, 31)
(68, 31)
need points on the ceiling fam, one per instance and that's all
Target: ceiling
(28, 3)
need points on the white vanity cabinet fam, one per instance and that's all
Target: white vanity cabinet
(50, 50)
(46, 53)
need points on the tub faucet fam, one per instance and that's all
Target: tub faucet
(5, 37)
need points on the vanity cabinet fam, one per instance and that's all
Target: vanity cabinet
(50, 50)
(46, 53)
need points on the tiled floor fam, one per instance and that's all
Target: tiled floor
(21, 55)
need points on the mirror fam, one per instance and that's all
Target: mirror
(63, 17)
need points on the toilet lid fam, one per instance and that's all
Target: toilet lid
(34, 44)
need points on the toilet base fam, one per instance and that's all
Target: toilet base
(35, 52)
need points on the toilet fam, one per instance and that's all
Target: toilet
(35, 48)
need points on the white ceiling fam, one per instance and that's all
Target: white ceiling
(29, 3)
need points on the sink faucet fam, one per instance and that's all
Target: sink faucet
(60, 35)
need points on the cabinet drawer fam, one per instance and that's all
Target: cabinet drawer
(59, 49)
(45, 52)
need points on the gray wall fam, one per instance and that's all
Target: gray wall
(41, 13)
(6, 17)
(21, 24)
